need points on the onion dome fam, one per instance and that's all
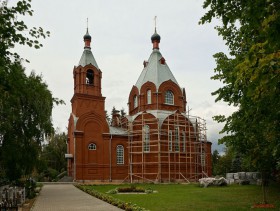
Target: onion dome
(155, 37)
(87, 56)
(87, 36)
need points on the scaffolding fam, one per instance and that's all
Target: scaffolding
(167, 148)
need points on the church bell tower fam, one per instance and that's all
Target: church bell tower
(87, 77)
(87, 121)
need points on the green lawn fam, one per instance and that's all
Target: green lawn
(192, 197)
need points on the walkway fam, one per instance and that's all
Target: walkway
(56, 197)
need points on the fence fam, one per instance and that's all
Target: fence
(11, 197)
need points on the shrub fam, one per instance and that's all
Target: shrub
(30, 186)
(130, 189)
(52, 173)
(149, 190)
(114, 191)
(116, 202)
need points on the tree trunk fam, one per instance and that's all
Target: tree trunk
(265, 181)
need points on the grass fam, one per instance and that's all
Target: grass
(192, 197)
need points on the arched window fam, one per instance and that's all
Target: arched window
(184, 141)
(176, 142)
(203, 157)
(170, 140)
(92, 146)
(120, 154)
(135, 101)
(146, 144)
(149, 96)
(169, 97)
(89, 77)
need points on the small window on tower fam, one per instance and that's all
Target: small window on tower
(135, 101)
(92, 146)
(89, 77)
(149, 96)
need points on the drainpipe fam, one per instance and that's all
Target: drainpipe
(74, 170)
(110, 156)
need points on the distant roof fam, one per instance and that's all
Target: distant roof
(87, 58)
(155, 71)
(117, 131)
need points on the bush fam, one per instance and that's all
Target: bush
(116, 202)
(30, 186)
(149, 190)
(52, 173)
(114, 191)
(130, 189)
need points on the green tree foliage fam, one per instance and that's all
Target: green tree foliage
(123, 113)
(222, 163)
(230, 161)
(15, 31)
(251, 77)
(54, 152)
(25, 101)
(25, 118)
(52, 157)
(114, 110)
(215, 160)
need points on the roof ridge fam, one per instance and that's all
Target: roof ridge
(88, 58)
(155, 71)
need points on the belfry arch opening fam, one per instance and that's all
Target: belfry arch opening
(90, 77)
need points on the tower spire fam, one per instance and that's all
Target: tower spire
(87, 38)
(155, 37)
(155, 19)
(87, 25)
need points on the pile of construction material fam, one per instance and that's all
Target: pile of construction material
(211, 181)
(243, 178)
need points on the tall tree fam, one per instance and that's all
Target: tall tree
(215, 159)
(54, 152)
(222, 164)
(25, 119)
(251, 77)
(123, 113)
(25, 101)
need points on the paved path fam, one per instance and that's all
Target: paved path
(67, 197)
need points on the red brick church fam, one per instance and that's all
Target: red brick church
(158, 141)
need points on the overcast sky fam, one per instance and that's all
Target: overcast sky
(121, 32)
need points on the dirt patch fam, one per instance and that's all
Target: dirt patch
(27, 205)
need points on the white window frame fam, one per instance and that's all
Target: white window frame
(184, 141)
(169, 97)
(170, 140)
(177, 140)
(120, 154)
(149, 96)
(146, 138)
(92, 146)
(203, 157)
(135, 101)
